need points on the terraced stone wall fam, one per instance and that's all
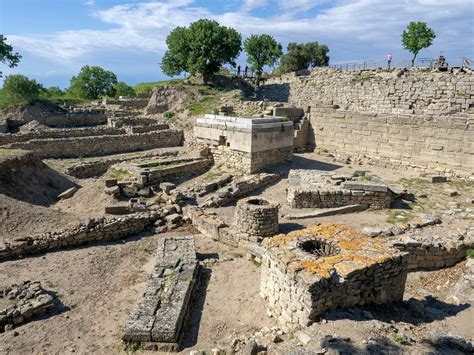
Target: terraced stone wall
(417, 118)
(100, 145)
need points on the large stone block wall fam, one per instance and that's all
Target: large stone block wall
(432, 144)
(414, 117)
(100, 145)
(397, 91)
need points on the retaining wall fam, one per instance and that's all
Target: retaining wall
(100, 145)
(418, 118)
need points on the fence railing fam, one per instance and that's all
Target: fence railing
(450, 62)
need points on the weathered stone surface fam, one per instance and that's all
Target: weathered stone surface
(68, 193)
(256, 217)
(26, 299)
(167, 187)
(161, 313)
(317, 188)
(438, 178)
(329, 212)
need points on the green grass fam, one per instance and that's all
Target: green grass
(148, 87)
(470, 253)
(120, 173)
(399, 217)
(205, 104)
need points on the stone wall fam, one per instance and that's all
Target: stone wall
(99, 229)
(430, 144)
(414, 117)
(60, 133)
(307, 272)
(249, 163)
(100, 145)
(321, 189)
(94, 168)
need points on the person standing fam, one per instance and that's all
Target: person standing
(389, 60)
(238, 70)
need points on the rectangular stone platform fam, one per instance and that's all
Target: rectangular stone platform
(323, 189)
(158, 319)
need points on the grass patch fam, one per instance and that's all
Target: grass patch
(50, 284)
(120, 173)
(205, 104)
(148, 87)
(256, 263)
(399, 217)
(470, 253)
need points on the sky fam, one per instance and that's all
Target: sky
(57, 37)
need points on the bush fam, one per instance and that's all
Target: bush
(20, 88)
(122, 89)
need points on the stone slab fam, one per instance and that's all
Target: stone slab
(329, 211)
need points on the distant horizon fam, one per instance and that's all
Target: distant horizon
(128, 38)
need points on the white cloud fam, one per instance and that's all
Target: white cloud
(353, 29)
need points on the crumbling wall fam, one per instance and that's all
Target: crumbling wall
(418, 118)
(100, 145)
(98, 229)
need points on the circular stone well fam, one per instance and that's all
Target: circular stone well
(318, 247)
(257, 217)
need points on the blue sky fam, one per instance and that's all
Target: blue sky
(57, 37)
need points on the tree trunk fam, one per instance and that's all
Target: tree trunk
(413, 60)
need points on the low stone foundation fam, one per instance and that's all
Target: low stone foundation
(256, 217)
(307, 272)
(100, 145)
(157, 321)
(320, 189)
(98, 229)
(26, 299)
(239, 188)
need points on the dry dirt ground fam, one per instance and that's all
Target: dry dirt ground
(98, 284)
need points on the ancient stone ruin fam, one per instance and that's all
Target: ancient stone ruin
(324, 211)
(247, 145)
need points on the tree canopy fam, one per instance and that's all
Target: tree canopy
(416, 37)
(262, 50)
(6, 54)
(202, 48)
(93, 82)
(122, 89)
(19, 87)
(303, 56)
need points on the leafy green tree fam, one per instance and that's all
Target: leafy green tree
(122, 89)
(262, 50)
(53, 91)
(19, 87)
(92, 83)
(6, 54)
(303, 56)
(202, 48)
(416, 37)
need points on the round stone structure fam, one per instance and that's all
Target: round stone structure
(257, 217)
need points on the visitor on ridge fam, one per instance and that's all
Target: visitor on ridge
(389, 60)
(238, 70)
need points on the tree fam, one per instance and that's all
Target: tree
(6, 54)
(19, 87)
(416, 37)
(93, 82)
(52, 92)
(202, 48)
(303, 56)
(122, 89)
(262, 50)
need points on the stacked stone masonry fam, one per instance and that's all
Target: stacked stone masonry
(256, 217)
(416, 117)
(244, 144)
(320, 189)
(308, 272)
(100, 145)
(98, 229)
(157, 321)
(25, 300)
